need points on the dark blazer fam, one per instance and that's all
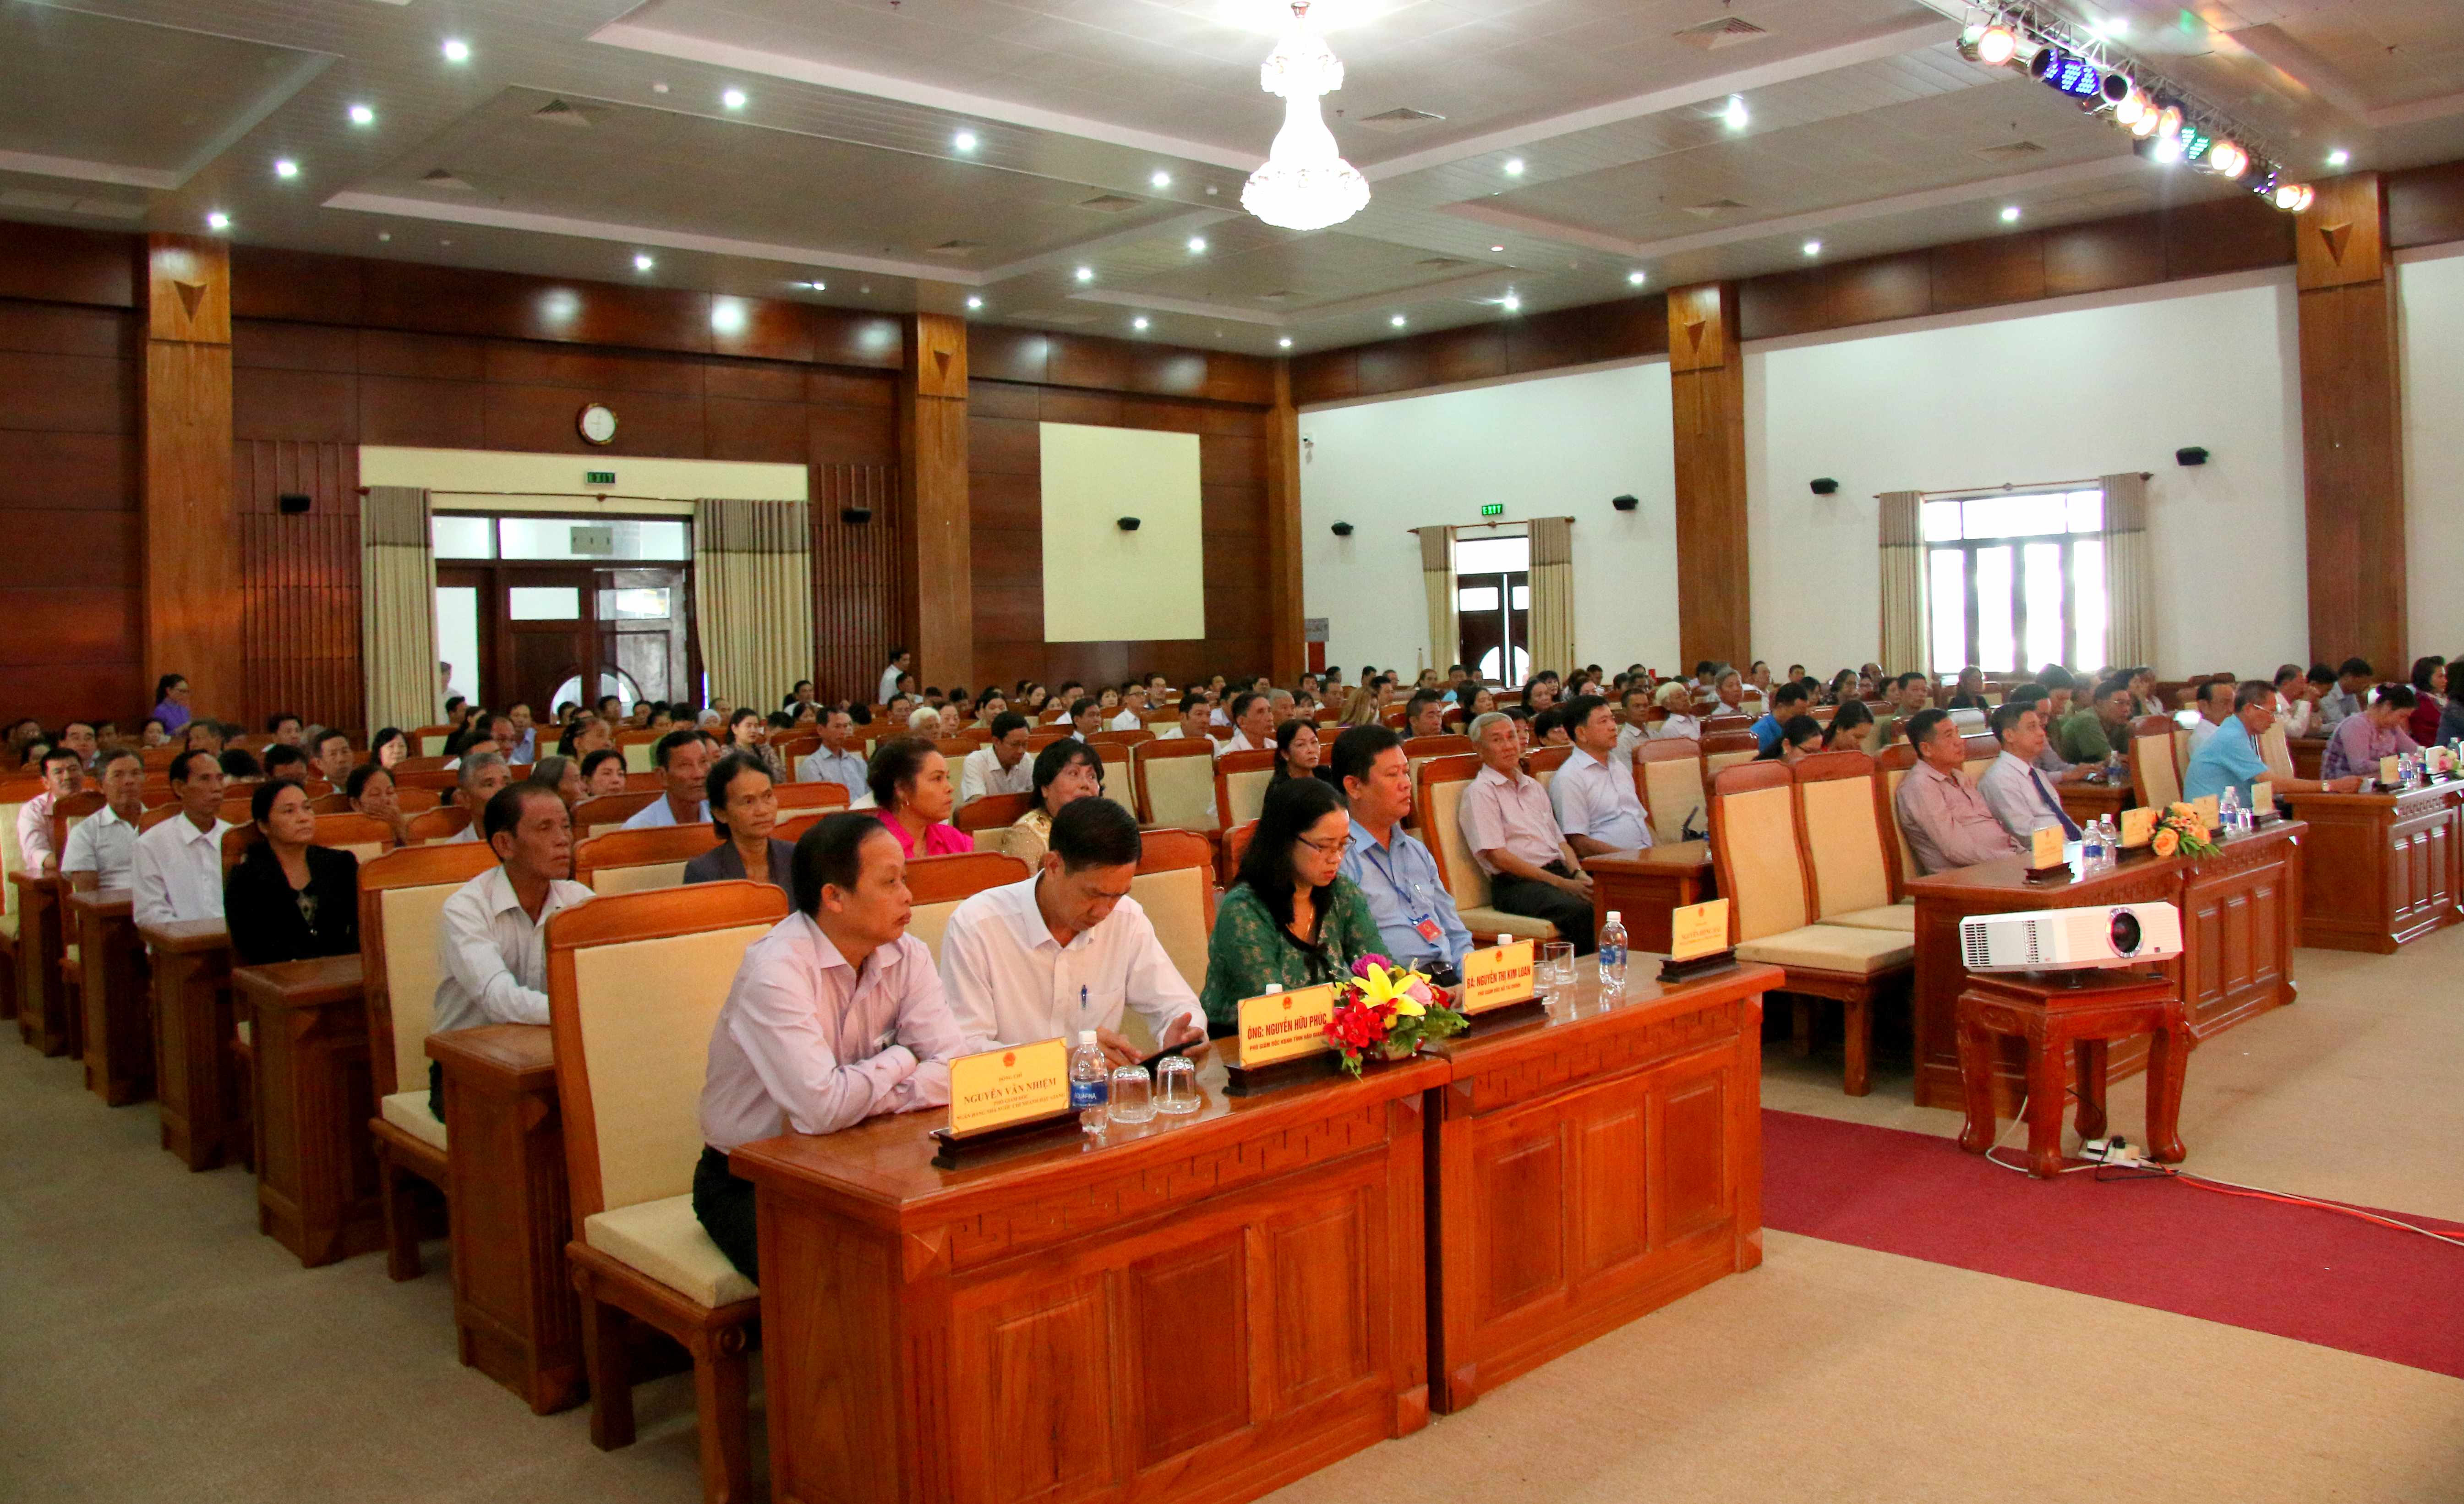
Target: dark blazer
(264, 915)
(722, 864)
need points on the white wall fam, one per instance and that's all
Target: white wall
(1555, 446)
(2077, 388)
(2432, 294)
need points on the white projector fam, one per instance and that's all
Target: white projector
(2071, 940)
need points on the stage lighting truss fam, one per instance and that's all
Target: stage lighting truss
(2166, 122)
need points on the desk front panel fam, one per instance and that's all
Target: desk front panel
(2381, 869)
(2239, 909)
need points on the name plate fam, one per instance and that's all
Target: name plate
(2045, 847)
(2206, 808)
(1016, 1084)
(1284, 1026)
(2386, 770)
(2138, 826)
(1698, 930)
(1499, 976)
(2262, 798)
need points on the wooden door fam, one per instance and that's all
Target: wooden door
(643, 631)
(1493, 613)
(546, 632)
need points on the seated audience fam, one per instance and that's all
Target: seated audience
(1512, 833)
(524, 747)
(1907, 694)
(1787, 701)
(1193, 722)
(2231, 758)
(1000, 765)
(63, 778)
(1253, 723)
(176, 873)
(1948, 824)
(603, 772)
(2353, 680)
(2297, 699)
(1291, 920)
(104, 843)
(1425, 715)
(1133, 704)
(925, 720)
(1065, 771)
(238, 761)
(171, 702)
(744, 806)
(2142, 689)
(683, 760)
(1851, 730)
(748, 731)
(561, 774)
(1013, 955)
(332, 750)
(290, 898)
(912, 795)
(1086, 718)
(2102, 728)
(1633, 706)
(1359, 708)
(1298, 751)
(286, 763)
(2210, 706)
(2359, 741)
(2429, 698)
(1968, 694)
(78, 737)
(1676, 698)
(2015, 788)
(835, 1016)
(1800, 737)
(1593, 793)
(153, 733)
(1728, 693)
(1416, 917)
(371, 791)
(475, 783)
(1842, 688)
(836, 760)
(492, 935)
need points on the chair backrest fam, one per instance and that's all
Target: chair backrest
(363, 837)
(1668, 775)
(634, 985)
(1982, 753)
(1240, 780)
(1840, 820)
(402, 903)
(1438, 792)
(1544, 761)
(953, 750)
(1175, 885)
(430, 740)
(1725, 749)
(439, 824)
(993, 811)
(637, 748)
(1755, 849)
(1176, 779)
(1118, 775)
(823, 796)
(608, 812)
(15, 793)
(939, 884)
(633, 861)
(1123, 739)
(2276, 753)
(67, 815)
(2154, 776)
(1895, 763)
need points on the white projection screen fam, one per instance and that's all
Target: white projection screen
(1102, 584)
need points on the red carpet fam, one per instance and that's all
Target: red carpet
(2297, 1271)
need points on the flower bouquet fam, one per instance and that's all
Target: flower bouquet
(1384, 1011)
(2180, 831)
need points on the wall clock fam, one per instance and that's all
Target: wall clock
(597, 423)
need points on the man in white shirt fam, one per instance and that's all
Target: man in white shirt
(1133, 704)
(2014, 787)
(1193, 722)
(475, 783)
(176, 870)
(1512, 832)
(683, 759)
(1253, 723)
(1086, 719)
(63, 778)
(836, 760)
(103, 847)
(1427, 715)
(1635, 726)
(2212, 708)
(491, 942)
(1068, 949)
(332, 758)
(286, 728)
(1000, 766)
(1593, 793)
(901, 664)
(835, 1016)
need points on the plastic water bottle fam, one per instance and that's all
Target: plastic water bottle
(1090, 1083)
(2112, 835)
(2228, 811)
(2092, 847)
(1612, 955)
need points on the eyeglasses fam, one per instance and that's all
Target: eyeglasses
(1322, 848)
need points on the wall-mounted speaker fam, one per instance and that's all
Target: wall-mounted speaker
(1343, 529)
(1624, 503)
(2194, 455)
(293, 502)
(1126, 524)
(853, 515)
(1825, 486)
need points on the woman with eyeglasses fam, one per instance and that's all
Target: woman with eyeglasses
(1292, 920)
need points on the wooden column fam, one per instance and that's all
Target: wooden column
(2353, 426)
(192, 532)
(935, 547)
(1707, 380)
(1284, 598)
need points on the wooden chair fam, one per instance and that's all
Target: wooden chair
(1123, 739)
(1120, 776)
(939, 884)
(633, 861)
(1544, 761)
(441, 825)
(430, 740)
(1175, 783)
(15, 793)
(1392, 716)
(610, 812)
(2276, 751)
(1175, 887)
(1240, 780)
(1839, 821)
(1669, 776)
(993, 811)
(420, 764)
(2155, 778)
(637, 748)
(954, 750)
(417, 801)
(402, 904)
(363, 837)
(1722, 750)
(630, 979)
(333, 802)
(1983, 752)
(1761, 869)
(1438, 791)
(822, 797)
(1236, 845)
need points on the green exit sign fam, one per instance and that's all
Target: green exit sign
(599, 477)
(1493, 509)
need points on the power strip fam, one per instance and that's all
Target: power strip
(2116, 1150)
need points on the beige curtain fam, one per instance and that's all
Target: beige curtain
(1552, 593)
(1437, 577)
(1905, 646)
(2129, 605)
(753, 597)
(398, 609)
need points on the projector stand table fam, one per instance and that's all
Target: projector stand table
(2052, 1014)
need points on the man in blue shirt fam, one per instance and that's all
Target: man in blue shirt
(1787, 700)
(1416, 916)
(2230, 758)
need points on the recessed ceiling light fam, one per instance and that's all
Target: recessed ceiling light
(1514, 167)
(1397, 321)
(1495, 249)
(1284, 343)
(2010, 213)
(456, 50)
(1197, 244)
(218, 220)
(2117, 26)
(1086, 274)
(964, 141)
(975, 302)
(1137, 324)
(732, 99)
(659, 88)
(817, 287)
(285, 167)
(642, 262)
(727, 315)
(1511, 304)
(384, 234)
(2338, 157)
(1814, 248)
(1736, 113)
(1636, 278)
(362, 115)
(1161, 180)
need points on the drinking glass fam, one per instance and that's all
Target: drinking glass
(1176, 1088)
(1557, 970)
(1132, 1095)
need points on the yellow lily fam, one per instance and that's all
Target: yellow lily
(1391, 985)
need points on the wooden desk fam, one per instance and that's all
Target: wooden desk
(1590, 1166)
(1645, 886)
(118, 1024)
(2239, 926)
(2307, 754)
(315, 1170)
(515, 1318)
(1199, 1308)
(2382, 867)
(194, 1087)
(45, 1020)
(2084, 800)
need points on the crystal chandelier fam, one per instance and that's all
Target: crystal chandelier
(1305, 183)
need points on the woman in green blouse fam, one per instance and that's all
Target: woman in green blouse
(1292, 920)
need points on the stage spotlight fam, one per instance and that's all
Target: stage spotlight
(2294, 197)
(2077, 76)
(2145, 123)
(2131, 110)
(2228, 158)
(1991, 45)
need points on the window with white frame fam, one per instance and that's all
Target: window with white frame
(2016, 580)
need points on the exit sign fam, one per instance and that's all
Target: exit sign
(1493, 509)
(599, 477)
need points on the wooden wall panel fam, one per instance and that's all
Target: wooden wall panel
(1706, 383)
(2425, 206)
(47, 263)
(192, 601)
(859, 592)
(2352, 427)
(299, 607)
(936, 549)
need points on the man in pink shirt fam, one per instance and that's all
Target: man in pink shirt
(63, 778)
(1948, 824)
(1512, 832)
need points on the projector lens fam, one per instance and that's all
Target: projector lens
(2124, 933)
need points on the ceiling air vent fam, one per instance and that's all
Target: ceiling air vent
(1058, 316)
(556, 112)
(2012, 151)
(1441, 263)
(439, 178)
(1404, 118)
(1727, 32)
(1279, 296)
(1111, 203)
(1716, 207)
(956, 247)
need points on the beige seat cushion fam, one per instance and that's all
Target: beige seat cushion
(1247, 792)
(409, 1112)
(1176, 905)
(1764, 883)
(1900, 918)
(1674, 792)
(929, 921)
(638, 879)
(1845, 847)
(665, 1240)
(1485, 922)
(1180, 790)
(1833, 947)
